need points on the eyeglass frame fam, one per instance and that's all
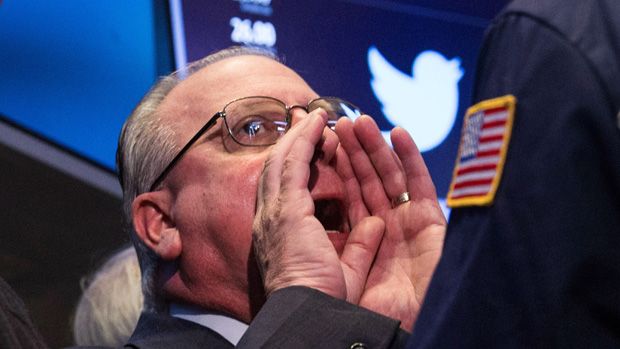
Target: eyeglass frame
(222, 114)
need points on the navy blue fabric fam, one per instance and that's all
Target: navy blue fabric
(540, 267)
(163, 331)
(301, 317)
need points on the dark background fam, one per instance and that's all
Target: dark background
(327, 41)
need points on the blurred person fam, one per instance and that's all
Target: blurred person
(190, 157)
(111, 302)
(16, 328)
(532, 250)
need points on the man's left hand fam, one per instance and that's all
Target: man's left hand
(414, 230)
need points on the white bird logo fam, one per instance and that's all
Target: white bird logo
(425, 103)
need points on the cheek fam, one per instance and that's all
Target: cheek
(238, 188)
(234, 213)
(222, 207)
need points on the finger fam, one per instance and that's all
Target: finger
(419, 181)
(359, 253)
(296, 168)
(373, 193)
(357, 208)
(271, 178)
(383, 158)
(371, 187)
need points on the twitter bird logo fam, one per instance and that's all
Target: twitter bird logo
(424, 103)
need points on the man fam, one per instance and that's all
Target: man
(190, 157)
(532, 255)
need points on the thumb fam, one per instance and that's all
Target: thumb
(359, 253)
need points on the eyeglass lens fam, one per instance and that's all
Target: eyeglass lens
(260, 121)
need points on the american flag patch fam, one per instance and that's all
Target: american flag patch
(482, 152)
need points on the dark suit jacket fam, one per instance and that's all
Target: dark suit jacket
(162, 331)
(282, 323)
(300, 317)
(155, 331)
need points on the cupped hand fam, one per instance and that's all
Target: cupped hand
(291, 245)
(414, 230)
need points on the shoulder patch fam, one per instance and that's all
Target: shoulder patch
(487, 127)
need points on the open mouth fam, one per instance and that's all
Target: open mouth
(331, 214)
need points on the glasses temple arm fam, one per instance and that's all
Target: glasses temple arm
(182, 152)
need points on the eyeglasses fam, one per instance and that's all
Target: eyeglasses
(259, 121)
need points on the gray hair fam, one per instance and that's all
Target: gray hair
(146, 145)
(111, 302)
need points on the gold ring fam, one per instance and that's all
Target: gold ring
(401, 199)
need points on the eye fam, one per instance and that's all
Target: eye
(258, 130)
(252, 128)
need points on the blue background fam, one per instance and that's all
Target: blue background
(73, 70)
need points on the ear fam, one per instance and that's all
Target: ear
(155, 226)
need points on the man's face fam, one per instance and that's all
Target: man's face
(213, 191)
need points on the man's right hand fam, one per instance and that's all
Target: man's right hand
(291, 245)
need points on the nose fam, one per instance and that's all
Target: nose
(326, 148)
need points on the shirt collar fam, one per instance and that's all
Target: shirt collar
(228, 327)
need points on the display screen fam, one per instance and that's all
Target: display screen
(405, 63)
(72, 71)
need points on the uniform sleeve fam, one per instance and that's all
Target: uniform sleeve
(540, 267)
(301, 317)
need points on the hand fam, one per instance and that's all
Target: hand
(414, 231)
(291, 245)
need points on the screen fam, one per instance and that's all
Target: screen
(405, 63)
(72, 71)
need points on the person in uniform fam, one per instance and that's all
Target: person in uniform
(532, 251)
